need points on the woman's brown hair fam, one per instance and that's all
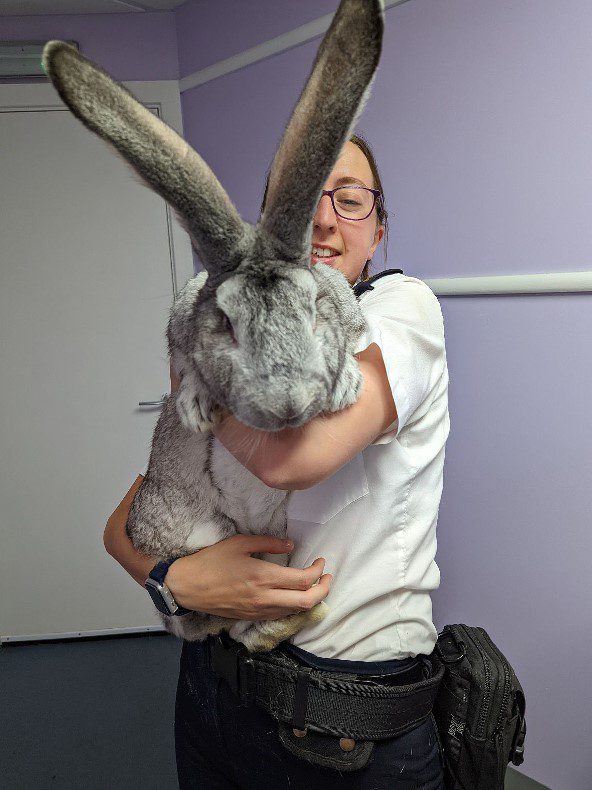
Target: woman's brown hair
(381, 212)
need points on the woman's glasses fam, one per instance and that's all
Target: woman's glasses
(352, 202)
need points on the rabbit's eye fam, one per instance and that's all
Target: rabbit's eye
(229, 328)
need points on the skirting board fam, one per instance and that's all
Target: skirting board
(81, 634)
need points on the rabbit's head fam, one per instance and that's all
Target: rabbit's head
(269, 336)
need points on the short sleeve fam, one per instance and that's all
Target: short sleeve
(405, 320)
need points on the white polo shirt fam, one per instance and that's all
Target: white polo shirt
(374, 520)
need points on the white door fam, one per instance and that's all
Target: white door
(89, 261)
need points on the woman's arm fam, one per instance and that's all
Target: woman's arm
(118, 544)
(224, 579)
(115, 538)
(298, 458)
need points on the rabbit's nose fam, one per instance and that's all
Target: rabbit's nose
(295, 410)
(293, 403)
(292, 412)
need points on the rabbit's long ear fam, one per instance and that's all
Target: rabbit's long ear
(323, 119)
(164, 161)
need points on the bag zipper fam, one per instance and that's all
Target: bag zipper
(485, 709)
(507, 679)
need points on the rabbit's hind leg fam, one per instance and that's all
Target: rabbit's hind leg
(264, 635)
(196, 626)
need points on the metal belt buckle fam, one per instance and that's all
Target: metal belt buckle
(231, 661)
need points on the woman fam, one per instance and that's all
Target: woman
(367, 484)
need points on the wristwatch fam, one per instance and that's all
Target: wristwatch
(161, 596)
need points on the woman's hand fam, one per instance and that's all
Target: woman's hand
(225, 580)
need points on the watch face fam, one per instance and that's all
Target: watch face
(157, 599)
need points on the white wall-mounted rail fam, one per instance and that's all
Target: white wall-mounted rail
(560, 282)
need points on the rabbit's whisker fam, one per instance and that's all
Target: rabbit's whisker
(256, 440)
(247, 441)
(322, 420)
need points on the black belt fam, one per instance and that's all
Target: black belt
(336, 703)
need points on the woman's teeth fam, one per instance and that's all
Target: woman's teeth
(320, 252)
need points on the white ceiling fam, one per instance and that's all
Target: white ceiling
(38, 7)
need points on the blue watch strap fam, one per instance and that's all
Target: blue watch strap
(158, 573)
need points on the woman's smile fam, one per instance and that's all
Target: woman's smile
(324, 253)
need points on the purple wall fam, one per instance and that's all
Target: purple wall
(212, 30)
(480, 119)
(128, 46)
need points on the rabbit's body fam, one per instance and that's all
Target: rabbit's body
(195, 492)
(266, 336)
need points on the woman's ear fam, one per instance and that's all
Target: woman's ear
(378, 234)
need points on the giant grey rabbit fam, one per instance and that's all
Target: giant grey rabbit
(262, 332)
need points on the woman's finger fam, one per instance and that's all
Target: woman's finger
(283, 578)
(292, 601)
(262, 544)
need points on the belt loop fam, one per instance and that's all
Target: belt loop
(247, 680)
(224, 660)
(301, 699)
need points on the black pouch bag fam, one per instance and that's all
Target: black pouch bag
(479, 710)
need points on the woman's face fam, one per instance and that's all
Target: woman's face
(354, 242)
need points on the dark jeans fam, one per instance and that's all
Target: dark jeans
(220, 744)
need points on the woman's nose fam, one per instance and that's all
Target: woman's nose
(325, 216)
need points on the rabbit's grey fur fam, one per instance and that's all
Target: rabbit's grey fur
(167, 519)
(296, 326)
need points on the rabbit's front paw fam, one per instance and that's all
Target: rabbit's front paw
(348, 386)
(194, 410)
